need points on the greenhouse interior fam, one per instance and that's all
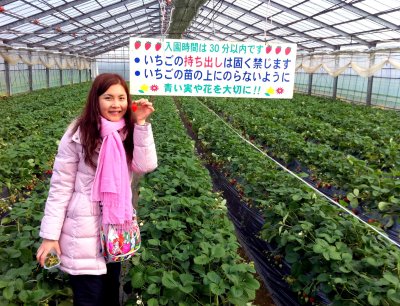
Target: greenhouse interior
(276, 134)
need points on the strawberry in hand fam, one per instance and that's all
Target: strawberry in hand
(143, 110)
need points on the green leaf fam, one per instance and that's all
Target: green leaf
(251, 283)
(236, 291)
(3, 283)
(23, 296)
(154, 242)
(19, 284)
(186, 289)
(186, 278)
(323, 277)
(153, 289)
(292, 257)
(217, 289)
(8, 292)
(154, 278)
(152, 302)
(384, 205)
(168, 280)
(373, 300)
(201, 260)
(296, 197)
(137, 280)
(356, 192)
(391, 278)
(217, 251)
(213, 277)
(393, 295)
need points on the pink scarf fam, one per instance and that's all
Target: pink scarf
(111, 184)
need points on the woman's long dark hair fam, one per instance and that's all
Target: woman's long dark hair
(89, 122)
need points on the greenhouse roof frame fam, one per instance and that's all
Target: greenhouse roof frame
(92, 27)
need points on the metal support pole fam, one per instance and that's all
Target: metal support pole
(80, 76)
(61, 77)
(47, 77)
(369, 90)
(370, 79)
(336, 78)
(30, 73)
(8, 80)
(310, 81)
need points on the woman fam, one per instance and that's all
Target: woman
(94, 164)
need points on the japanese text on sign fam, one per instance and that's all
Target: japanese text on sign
(209, 68)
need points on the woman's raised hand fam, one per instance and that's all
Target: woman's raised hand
(142, 110)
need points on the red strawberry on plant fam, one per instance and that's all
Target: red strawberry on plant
(137, 44)
(147, 45)
(278, 49)
(158, 46)
(268, 49)
(287, 50)
(134, 107)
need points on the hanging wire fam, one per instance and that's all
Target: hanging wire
(266, 21)
(213, 23)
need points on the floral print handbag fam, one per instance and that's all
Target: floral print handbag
(117, 246)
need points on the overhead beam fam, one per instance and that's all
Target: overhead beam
(314, 21)
(143, 7)
(246, 25)
(74, 47)
(78, 18)
(262, 18)
(366, 15)
(91, 50)
(39, 15)
(109, 40)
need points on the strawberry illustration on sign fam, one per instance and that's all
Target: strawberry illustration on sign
(137, 44)
(278, 49)
(287, 50)
(147, 45)
(158, 46)
(268, 49)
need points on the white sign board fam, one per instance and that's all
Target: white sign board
(180, 67)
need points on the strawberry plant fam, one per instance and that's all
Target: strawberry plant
(328, 251)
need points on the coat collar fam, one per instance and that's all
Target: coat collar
(76, 137)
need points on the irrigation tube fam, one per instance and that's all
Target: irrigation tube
(300, 179)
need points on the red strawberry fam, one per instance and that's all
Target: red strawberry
(134, 107)
(268, 49)
(287, 50)
(2, 9)
(371, 221)
(147, 45)
(311, 299)
(158, 46)
(137, 44)
(278, 49)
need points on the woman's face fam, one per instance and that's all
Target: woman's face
(113, 103)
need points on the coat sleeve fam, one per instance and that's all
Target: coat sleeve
(144, 152)
(62, 186)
